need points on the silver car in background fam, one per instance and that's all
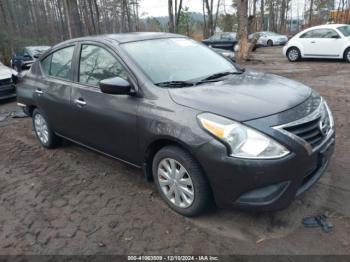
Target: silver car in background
(267, 38)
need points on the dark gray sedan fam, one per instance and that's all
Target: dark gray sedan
(204, 130)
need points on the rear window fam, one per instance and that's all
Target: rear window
(59, 63)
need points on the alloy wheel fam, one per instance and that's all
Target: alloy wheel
(293, 55)
(41, 128)
(175, 183)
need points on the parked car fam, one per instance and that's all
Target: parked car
(203, 129)
(325, 41)
(26, 57)
(7, 82)
(226, 53)
(222, 40)
(269, 39)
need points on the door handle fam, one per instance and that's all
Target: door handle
(313, 42)
(80, 102)
(39, 91)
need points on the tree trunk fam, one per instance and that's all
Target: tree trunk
(177, 16)
(310, 11)
(254, 16)
(73, 18)
(210, 24)
(243, 52)
(171, 16)
(262, 13)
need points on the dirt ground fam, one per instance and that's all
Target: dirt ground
(74, 201)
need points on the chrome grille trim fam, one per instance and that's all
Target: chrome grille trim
(321, 112)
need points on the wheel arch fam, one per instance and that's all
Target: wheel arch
(154, 146)
(346, 48)
(294, 46)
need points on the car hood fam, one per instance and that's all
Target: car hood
(6, 72)
(243, 97)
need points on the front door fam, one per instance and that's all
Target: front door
(103, 121)
(327, 43)
(321, 43)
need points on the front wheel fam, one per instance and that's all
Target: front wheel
(347, 55)
(180, 181)
(45, 135)
(293, 54)
(269, 43)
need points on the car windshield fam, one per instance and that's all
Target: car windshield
(176, 59)
(345, 30)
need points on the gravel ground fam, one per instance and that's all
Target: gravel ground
(74, 201)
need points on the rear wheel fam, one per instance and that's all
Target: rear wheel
(347, 55)
(293, 54)
(180, 181)
(45, 135)
(269, 43)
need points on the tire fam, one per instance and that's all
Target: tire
(293, 54)
(43, 132)
(347, 55)
(196, 181)
(18, 69)
(27, 111)
(269, 43)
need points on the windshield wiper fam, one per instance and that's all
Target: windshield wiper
(221, 74)
(175, 84)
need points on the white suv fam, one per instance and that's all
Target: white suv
(325, 41)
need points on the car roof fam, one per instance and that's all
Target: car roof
(327, 26)
(125, 37)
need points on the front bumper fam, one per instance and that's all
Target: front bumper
(7, 91)
(262, 185)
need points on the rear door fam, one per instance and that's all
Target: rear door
(53, 88)
(103, 121)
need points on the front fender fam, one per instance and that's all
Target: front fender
(295, 44)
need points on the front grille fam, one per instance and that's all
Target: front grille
(309, 131)
(314, 128)
(6, 81)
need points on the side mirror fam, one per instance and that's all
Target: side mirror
(115, 86)
(36, 56)
(27, 57)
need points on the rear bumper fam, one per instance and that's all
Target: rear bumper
(7, 91)
(261, 185)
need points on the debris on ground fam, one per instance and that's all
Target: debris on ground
(18, 114)
(318, 221)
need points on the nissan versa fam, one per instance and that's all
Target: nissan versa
(202, 128)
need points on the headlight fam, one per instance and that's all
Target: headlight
(242, 141)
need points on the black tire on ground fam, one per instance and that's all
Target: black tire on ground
(202, 192)
(26, 110)
(293, 54)
(269, 43)
(18, 69)
(52, 139)
(347, 55)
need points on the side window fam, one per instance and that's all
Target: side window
(308, 34)
(96, 64)
(226, 37)
(215, 37)
(329, 33)
(61, 62)
(46, 64)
